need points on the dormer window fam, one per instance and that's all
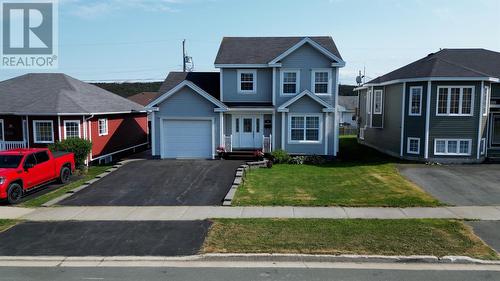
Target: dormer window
(321, 81)
(247, 81)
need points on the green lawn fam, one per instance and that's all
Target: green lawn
(6, 224)
(364, 237)
(91, 173)
(362, 177)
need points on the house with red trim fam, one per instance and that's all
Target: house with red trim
(38, 109)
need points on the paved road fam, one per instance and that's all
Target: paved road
(241, 274)
(460, 185)
(111, 238)
(161, 183)
(489, 231)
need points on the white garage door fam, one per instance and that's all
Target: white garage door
(187, 139)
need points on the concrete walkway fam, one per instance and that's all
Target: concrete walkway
(200, 213)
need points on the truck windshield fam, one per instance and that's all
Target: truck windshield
(10, 161)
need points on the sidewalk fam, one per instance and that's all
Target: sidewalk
(200, 213)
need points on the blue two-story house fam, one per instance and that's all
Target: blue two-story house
(271, 93)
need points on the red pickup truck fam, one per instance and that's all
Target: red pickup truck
(25, 169)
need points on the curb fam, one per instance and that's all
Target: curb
(239, 177)
(69, 193)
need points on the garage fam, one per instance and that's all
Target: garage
(187, 138)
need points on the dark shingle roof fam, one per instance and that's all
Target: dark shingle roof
(348, 102)
(449, 63)
(143, 98)
(208, 81)
(57, 93)
(262, 50)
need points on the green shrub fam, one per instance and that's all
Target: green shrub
(80, 147)
(297, 160)
(280, 156)
(314, 160)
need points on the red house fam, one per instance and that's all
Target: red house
(42, 108)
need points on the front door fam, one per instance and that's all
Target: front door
(495, 133)
(247, 131)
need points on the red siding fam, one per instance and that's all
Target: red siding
(124, 131)
(13, 127)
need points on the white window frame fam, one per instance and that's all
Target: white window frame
(35, 131)
(378, 93)
(99, 126)
(282, 81)
(448, 102)
(483, 146)
(485, 101)
(369, 101)
(247, 71)
(72, 121)
(329, 81)
(408, 150)
(410, 106)
(320, 129)
(446, 153)
(2, 131)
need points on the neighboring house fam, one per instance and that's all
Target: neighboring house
(271, 93)
(143, 98)
(442, 108)
(347, 111)
(40, 109)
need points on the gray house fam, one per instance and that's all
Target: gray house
(270, 93)
(442, 108)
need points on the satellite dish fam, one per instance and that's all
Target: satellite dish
(359, 79)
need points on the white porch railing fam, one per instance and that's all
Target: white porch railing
(267, 144)
(228, 143)
(7, 145)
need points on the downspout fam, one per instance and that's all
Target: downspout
(89, 135)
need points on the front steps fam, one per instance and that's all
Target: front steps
(494, 155)
(248, 155)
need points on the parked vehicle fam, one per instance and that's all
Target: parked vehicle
(22, 170)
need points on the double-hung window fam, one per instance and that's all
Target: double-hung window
(321, 81)
(483, 146)
(485, 100)
(413, 146)
(43, 131)
(247, 81)
(415, 108)
(103, 126)
(452, 147)
(305, 128)
(455, 101)
(71, 129)
(290, 82)
(378, 102)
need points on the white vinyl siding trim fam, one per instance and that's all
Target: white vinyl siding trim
(43, 131)
(378, 102)
(103, 126)
(72, 129)
(453, 147)
(485, 100)
(413, 146)
(305, 127)
(284, 82)
(415, 101)
(253, 80)
(445, 107)
(327, 82)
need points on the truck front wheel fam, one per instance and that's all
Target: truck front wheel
(14, 193)
(64, 175)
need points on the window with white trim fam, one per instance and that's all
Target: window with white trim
(305, 128)
(413, 146)
(247, 81)
(103, 126)
(290, 82)
(71, 129)
(483, 146)
(369, 102)
(452, 147)
(455, 101)
(485, 100)
(378, 102)
(43, 131)
(415, 108)
(321, 79)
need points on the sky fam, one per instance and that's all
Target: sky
(140, 40)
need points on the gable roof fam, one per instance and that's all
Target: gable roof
(327, 106)
(59, 94)
(449, 63)
(262, 50)
(208, 81)
(144, 98)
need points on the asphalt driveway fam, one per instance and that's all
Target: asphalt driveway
(488, 231)
(104, 238)
(161, 183)
(461, 185)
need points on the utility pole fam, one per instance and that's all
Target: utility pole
(184, 55)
